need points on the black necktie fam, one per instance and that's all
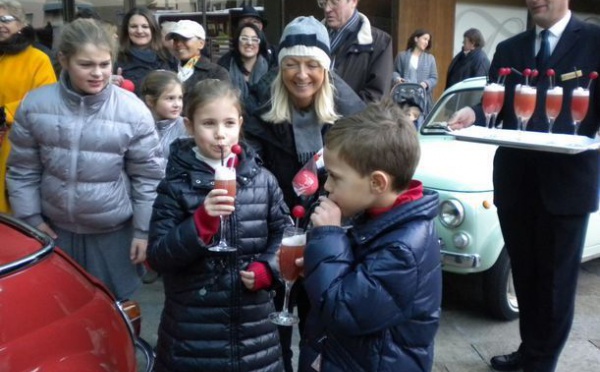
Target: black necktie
(541, 59)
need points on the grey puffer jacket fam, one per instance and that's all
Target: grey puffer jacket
(210, 321)
(85, 163)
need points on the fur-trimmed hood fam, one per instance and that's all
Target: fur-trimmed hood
(18, 42)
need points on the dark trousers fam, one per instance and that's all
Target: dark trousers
(545, 252)
(299, 298)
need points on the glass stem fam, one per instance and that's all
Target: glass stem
(286, 298)
(223, 238)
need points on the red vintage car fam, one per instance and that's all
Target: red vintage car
(56, 317)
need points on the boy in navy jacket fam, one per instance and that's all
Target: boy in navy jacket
(375, 290)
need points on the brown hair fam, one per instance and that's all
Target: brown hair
(381, 137)
(475, 36)
(156, 82)
(411, 43)
(208, 90)
(156, 42)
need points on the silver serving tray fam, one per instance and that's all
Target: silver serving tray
(561, 143)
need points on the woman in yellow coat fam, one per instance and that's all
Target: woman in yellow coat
(22, 68)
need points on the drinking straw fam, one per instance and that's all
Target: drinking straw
(551, 73)
(593, 76)
(527, 74)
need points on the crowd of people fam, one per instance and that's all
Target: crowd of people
(125, 182)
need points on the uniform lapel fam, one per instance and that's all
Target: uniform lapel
(567, 42)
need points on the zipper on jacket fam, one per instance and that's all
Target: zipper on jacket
(72, 181)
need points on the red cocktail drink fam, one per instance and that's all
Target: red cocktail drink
(580, 104)
(291, 249)
(554, 100)
(225, 179)
(493, 98)
(525, 97)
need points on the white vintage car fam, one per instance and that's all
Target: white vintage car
(461, 172)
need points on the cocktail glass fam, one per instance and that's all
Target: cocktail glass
(554, 99)
(492, 101)
(525, 97)
(224, 179)
(292, 247)
(580, 104)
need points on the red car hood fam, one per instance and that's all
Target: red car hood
(16, 245)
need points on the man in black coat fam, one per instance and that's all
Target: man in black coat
(471, 61)
(544, 199)
(360, 54)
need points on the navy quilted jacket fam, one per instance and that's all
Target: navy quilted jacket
(375, 291)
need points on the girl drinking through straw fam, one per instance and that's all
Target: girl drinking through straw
(216, 309)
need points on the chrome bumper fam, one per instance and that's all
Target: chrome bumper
(460, 260)
(146, 354)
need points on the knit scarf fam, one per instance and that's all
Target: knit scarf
(238, 73)
(307, 134)
(337, 37)
(184, 72)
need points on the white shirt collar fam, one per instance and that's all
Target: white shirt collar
(556, 32)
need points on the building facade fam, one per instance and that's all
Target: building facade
(445, 19)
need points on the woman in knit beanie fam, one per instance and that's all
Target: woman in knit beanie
(297, 103)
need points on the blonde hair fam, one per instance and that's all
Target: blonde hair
(15, 9)
(84, 31)
(281, 104)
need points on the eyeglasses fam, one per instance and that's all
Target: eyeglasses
(249, 40)
(7, 19)
(332, 3)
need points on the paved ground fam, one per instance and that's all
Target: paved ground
(467, 338)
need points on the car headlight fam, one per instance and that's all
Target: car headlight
(452, 213)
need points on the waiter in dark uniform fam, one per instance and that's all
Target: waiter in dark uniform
(543, 198)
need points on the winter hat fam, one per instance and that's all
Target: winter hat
(249, 11)
(305, 37)
(187, 29)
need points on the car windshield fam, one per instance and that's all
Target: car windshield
(437, 120)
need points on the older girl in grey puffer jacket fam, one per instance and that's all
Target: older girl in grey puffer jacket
(86, 160)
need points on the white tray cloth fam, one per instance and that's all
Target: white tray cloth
(561, 143)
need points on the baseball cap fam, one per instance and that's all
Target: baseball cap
(187, 29)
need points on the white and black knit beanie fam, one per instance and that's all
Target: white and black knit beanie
(305, 37)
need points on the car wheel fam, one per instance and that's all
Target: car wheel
(499, 291)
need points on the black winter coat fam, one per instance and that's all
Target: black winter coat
(474, 63)
(365, 62)
(210, 321)
(375, 292)
(204, 69)
(136, 66)
(275, 142)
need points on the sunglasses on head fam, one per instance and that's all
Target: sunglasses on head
(7, 19)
